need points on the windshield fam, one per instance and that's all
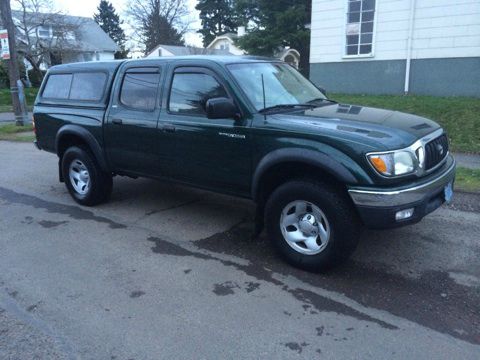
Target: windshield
(283, 84)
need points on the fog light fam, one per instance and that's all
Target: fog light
(403, 214)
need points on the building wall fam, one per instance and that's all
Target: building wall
(438, 77)
(156, 53)
(444, 32)
(106, 55)
(227, 45)
(71, 57)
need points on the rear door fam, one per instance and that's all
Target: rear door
(131, 123)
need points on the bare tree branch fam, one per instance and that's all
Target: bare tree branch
(43, 31)
(175, 13)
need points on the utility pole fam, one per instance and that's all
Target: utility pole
(13, 73)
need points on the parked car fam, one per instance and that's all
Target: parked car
(251, 127)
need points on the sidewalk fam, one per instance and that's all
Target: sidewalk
(469, 161)
(10, 117)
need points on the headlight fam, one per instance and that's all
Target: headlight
(393, 163)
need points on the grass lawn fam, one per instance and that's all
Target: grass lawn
(467, 179)
(460, 116)
(12, 132)
(6, 99)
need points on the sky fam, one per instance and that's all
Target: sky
(88, 7)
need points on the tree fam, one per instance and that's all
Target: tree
(13, 73)
(218, 17)
(276, 24)
(159, 22)
(110, 22)
(43, 34)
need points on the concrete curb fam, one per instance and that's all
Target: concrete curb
(469, 161)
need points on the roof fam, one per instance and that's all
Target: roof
(220, 59)
(89, 36)
(231, 36)
(112, 65)
(189, 50)
(282, 52)
(109, 66)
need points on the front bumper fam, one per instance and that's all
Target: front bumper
(377, 206)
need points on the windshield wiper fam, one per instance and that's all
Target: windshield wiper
(285, 107)
(322, 100)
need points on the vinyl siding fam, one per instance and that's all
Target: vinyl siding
(442, 29)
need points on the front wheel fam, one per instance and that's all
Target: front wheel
(312, 224)
(85, 180)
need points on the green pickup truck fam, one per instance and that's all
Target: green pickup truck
(318, 171)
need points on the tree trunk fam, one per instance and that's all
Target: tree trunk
(13, 72)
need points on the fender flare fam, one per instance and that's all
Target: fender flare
(304, 156)
(89, 139)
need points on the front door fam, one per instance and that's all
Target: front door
(213, 153)
(131, 123)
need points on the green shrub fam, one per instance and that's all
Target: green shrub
(36, 77)
(4, 79)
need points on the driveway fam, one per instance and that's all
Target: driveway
(168, 272)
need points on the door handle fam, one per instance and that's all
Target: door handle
(117, 121)
(168, 128)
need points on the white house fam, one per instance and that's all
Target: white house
(396, 46)
(63, 38)
(226, 42)
(172, 50)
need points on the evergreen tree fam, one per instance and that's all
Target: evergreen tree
(157, 29)
(110, 22)
(276, 24)
(218, 17)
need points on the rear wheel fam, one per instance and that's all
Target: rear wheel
(85, 180)
(312, 224)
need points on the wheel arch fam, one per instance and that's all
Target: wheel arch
(71, 135)
(308, 162)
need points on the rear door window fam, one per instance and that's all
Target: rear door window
(88, 86)
(58, 86)
(139, 89)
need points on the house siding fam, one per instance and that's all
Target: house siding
(438, 77)
(442, 29)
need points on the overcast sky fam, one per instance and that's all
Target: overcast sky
(88, 7)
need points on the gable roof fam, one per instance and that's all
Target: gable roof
(189, 50)
(230, 36)
(89, 36)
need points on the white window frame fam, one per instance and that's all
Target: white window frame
(344, 47)
(44, 28)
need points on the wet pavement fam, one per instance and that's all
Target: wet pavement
(164, 271)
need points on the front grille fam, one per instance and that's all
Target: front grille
(435, 151)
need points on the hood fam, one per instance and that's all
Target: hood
(376, 127)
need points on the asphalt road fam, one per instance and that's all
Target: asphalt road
(168, 272)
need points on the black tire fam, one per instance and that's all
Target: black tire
(100, 185)
(344, 224)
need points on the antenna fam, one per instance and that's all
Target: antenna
(264, 99)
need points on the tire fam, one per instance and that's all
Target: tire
(331, 234)
(86, 182)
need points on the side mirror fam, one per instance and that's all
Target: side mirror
(221, 108)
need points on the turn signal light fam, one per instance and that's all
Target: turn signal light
(379, 164)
